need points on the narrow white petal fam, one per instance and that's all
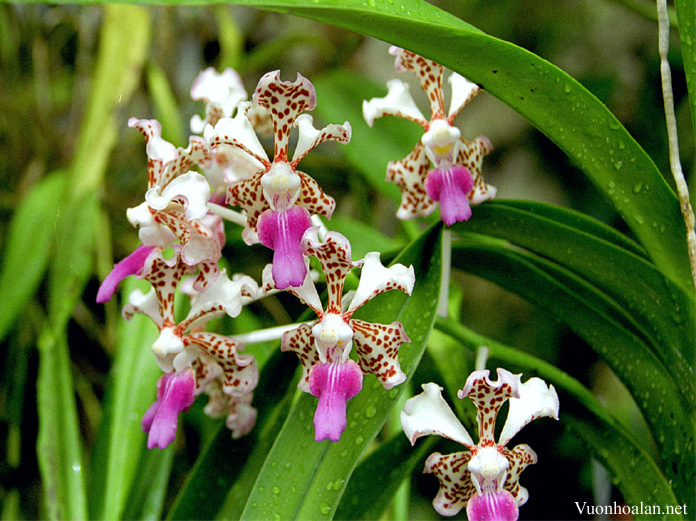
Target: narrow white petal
(463, 92)
(428, 413)
(309, 137)
(535, 401)
(226, 293)
(236, 131)
(147, 304)
(376, 279)
(397, 102)
(225, 88)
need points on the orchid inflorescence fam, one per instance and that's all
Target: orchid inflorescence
(180, 225)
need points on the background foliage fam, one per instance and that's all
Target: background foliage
(588, 290)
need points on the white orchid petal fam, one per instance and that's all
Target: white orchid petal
(225, 293)
(428, 413)
(376, 279)
(237, 131)
(225, 89)
(309, 137)
(397, 102)
(536, 400)
(191, 186)
(147, 304)
(462, 93)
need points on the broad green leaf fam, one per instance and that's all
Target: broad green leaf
(303, 479)
(378, 477)
(123, 44)
(624, 456)
(59, 450)
(210, 483)
(663, 313)
(549, 98)
(593, 316)
(132, 389)
(27, 248)
(686, 14)
(363, 238)
(165, 105)
(150, 485)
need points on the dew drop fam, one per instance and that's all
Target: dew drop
(618, 165)
(276, 490)
(370, 411)
(358, 440)
(329, 485)
(76, 467)
(254, 505)
(325, 509)
(338, 484)
(637, 188)
(568, 88)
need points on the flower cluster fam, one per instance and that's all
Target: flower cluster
(180, 224)
(484, 479)
(455, 179)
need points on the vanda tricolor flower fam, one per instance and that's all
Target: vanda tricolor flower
(455, 179)
(484, 479)
(195, 361)
(324, 346)
(277, 198)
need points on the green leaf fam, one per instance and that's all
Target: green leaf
(686, 14)
(166, 108)
(629, 463)
(150, 486)
(28, 248)
(661, 312)
(596, 318)
(303, 479)
(378, 477)
(59, 450)
(132, 388)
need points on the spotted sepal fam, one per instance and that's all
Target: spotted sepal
(377, 346)
(409, 176)
(334, 254)
(301, 342)
(284, 101)
(165, 275)
(195, 154)
(520, 458)
(488, 397)
(248, 195)
(456, 485)
(313, 198)
(198, 242)
(376, 279)
(471, 154)
(429, 74)
(240, 371)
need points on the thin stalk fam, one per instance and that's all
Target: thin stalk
(443, 303)
(674, 162)
(265, 335)
(227, 214)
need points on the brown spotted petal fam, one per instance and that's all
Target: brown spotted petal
(471, 154)
(428, 73)
(488, 397)
(313, 198)
(334, 254)
(409, 176)
(248, 195)
(456, 486)
(240, 371)
(284, 101)
(377, 346)
(301, 342)
(311, 137)
(165, 275)
(520, 457)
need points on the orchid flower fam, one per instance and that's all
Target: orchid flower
(175, 208)
(195, 361)
(324, 346)
(484, 479)
(455, 179)
(277, 198)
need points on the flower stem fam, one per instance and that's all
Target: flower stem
(265, 335)
(674, 162)
(227, 214)
(443, 304)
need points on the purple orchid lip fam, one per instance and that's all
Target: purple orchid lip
(175, 393)
(449, 186)
(282, 232)
(492, 506)
(334, 384)
(130, 265)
